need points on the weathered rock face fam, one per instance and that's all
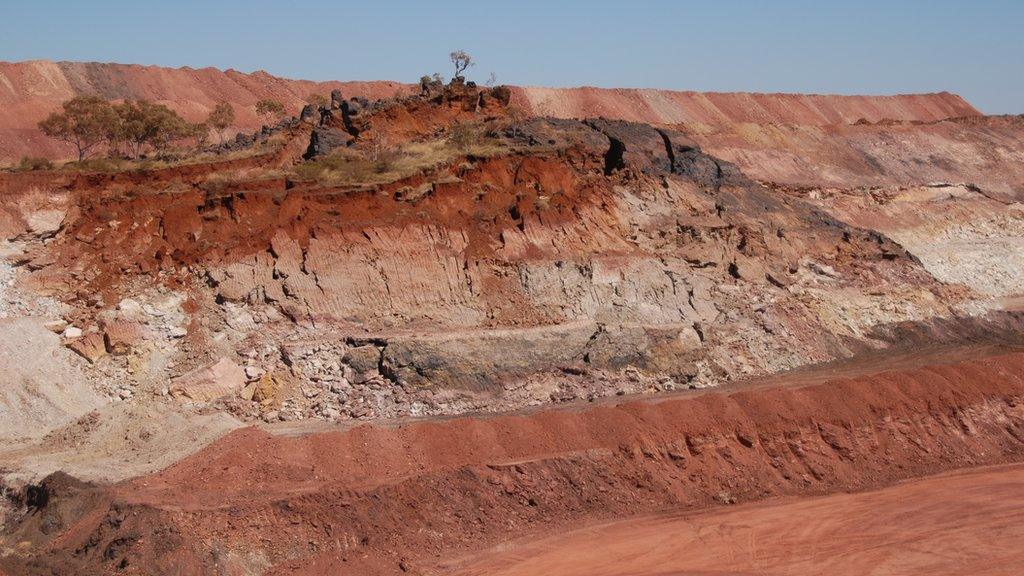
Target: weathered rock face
(599, 246)
(492, 261)
(42, 386)
(572, 259)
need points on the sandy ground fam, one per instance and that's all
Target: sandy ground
(41, 387)
(963, 523)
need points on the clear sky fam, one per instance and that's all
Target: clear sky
(975, 49)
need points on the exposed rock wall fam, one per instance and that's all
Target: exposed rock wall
(675, 265)
(987, 152)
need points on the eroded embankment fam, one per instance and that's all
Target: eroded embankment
(392, 499)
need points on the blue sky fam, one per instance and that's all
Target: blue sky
(975, 49)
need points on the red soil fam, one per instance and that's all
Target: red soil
(388, 499)
(964, 523)
(365, 457)
(725, 109)
(31, 90)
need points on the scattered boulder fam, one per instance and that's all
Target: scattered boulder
(56, 326)
(91, 346)
(209, 382)
(502, 95)
(363, 359)
(45, 223)
(353, 106)
(269, 389)
(120, 337)
(309, 114)
(324, 139)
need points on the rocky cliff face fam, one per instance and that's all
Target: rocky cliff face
(567, 259)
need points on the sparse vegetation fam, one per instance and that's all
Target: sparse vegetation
(516, 118)
(464, 135)
(34, 163)
(85, 122)
(221, 118)
(340, 166)
(376, 162)
(127, 129)
(462, 61)
(318, 100)
(200, 133)
(141, 124)
(270, 110)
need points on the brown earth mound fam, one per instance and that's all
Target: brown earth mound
(31, 90)
(727, 109)
(396, 499)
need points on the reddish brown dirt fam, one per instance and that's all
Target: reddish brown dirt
(985, 151)
(964, 523)
(725, 109)
(379, 498)
(31, 90)
(168, 224)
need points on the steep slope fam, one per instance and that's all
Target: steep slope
(568, 259)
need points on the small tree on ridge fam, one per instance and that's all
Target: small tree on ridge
(461, 60)
(85, 122)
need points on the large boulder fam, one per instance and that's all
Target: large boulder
(336, 99)
(209, 382)
(309, 114)
(324, 139)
